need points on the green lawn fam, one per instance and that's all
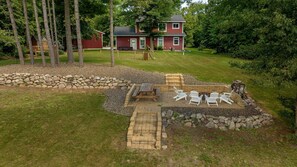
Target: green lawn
(203, 65)
(48, 128)
(40, 127)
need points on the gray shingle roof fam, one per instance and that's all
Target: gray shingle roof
(174, 18)
(130, 31)
(124, 31)
(177, 18)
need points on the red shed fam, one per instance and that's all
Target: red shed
(95, 43)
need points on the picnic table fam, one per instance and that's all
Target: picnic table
(146, 91)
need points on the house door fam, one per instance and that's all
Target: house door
(160, 42)
(133, 43)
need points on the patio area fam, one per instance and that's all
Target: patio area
(166, 100)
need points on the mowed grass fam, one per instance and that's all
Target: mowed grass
(40, 127)
(53, 128)
(204, 66)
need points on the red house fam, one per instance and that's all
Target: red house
(172, 37)
(95, 43)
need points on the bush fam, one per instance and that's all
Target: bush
(159, 48)
(288, 113)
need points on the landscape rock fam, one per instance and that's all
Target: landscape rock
(62, 82)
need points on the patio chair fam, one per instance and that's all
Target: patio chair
(214, 95)
(181, 96)
(193, 93)
(226, 99)
(196, 100)
(177, 91)
(228, 94)
(211, 100)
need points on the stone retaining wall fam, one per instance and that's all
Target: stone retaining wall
(218, 122)
(253, 117)
(58, 81)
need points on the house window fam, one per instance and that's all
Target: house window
(160, 42)
(140, 28)
(175, 25)
(162, 27)
(142, 43)
(175, 41)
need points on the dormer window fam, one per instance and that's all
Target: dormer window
(175, 25)
(140, 28)
(162, 27)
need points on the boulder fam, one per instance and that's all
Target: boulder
(210, 125)
(232, 125)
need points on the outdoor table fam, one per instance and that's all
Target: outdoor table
(147, 91)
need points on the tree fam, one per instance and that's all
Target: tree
(111, 32)
(39, 39)
(29, 42)
(194, 15)
(78, 33)
(50, 20)
(56, 43)
(48, 35)
(150, 13)
(15, 32)
(68, 32)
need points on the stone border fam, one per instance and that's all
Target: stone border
(255, 118)
(61, 82)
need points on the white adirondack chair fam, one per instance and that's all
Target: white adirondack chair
(181, 96)
(196, 99)
(211, 100)
(193, 93)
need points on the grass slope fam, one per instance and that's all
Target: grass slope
(41, 127)
(46, 128)
(203, 65)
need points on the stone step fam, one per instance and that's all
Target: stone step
(144, 131)
(143, 146)
(144, 139)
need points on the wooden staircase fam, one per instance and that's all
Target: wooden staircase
(144, 131)
(176, 80)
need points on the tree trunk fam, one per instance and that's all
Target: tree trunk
(39, 40)
(29, 42)
(78, 33)
(15, 32)
(152, 44)
(50, 20)
(56, 34)
(68, 32)
(111, 32)
(48, 35)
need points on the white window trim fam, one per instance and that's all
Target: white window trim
(140, 42)
(177, 40)
(177, 24)
(158, 44)
(165, 27)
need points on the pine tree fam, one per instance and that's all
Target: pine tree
(15, 32)
(48, 35)
(78, 33)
